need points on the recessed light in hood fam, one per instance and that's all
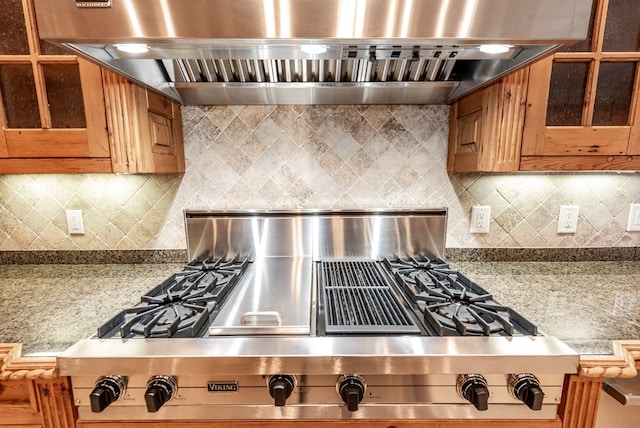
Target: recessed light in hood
(132, 48)
(251, 51)
(313, 49)
(495, 49)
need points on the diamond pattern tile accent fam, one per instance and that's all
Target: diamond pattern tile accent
(288, 157)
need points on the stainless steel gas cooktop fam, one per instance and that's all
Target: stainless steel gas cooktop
(318, 315)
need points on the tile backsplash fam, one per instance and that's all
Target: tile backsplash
(282, 157)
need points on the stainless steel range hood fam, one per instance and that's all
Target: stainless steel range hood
(313, 52)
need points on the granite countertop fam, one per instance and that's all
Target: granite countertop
(48, 307)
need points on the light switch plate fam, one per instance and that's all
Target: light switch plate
(568, 219)
(633, 224)
(480, 219)
(75, 226)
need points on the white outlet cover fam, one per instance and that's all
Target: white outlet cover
(480, 219)
(568, 219)
(633, 224)
(75, 225)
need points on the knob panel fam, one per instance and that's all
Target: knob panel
(351, 389)
(474, 389)
(107, 390)
(160, 389)
(281, 387)
(526, 388)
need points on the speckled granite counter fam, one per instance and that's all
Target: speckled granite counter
(48, 307)
(586, 304)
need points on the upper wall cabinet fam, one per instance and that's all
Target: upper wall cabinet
(62, 114)
(581, 106)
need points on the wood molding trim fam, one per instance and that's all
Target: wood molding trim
(15, 367)
(624, 362)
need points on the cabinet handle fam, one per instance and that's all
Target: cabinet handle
(265, 315)
(615, 388)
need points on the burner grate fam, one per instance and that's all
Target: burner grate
(181, 305)
(452, 304)
(358, 298)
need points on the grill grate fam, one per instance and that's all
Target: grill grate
(359, 299)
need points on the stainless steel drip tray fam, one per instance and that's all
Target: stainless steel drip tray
(273, 298)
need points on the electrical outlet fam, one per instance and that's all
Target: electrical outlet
(480, 219)
(633, 224)
(568, 219)
(74, 222)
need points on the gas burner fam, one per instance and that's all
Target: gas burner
(451, 303)
(181, 305)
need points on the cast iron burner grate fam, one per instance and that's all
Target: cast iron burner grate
(358, 298)
(452, 304)
(181, 305)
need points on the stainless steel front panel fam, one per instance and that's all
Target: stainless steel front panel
(326, 412)
(319, 355)
(407, 377)
(371, 235)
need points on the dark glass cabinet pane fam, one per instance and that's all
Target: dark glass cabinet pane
(13, 33)
(19, 96)
(48, 48)
(584, 45)
(622, 30)
(566, 93)
(64, 93)
(613, 94)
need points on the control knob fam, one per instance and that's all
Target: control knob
(526, 388)
(160, 389)
(281, 387)
(351, 389)
(474, 389)
(107, 390)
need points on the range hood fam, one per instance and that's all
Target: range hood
(310, 51)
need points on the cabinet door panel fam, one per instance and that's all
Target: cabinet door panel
(593, 140)
(47, 143)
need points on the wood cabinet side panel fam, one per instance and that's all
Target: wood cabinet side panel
(580, 403)
(121, 107)
(536, 107)
(512, 112)
(56, 402)
(94, 107)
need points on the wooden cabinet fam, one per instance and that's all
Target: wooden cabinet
(582, 105)
(145, 128)
(62, 114)
(486, 127)
(30, 393)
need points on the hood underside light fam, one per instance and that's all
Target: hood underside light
(495, 49)
(133, 48)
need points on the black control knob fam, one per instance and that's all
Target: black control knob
(107, 390)
(160, 389)
(281, 387)
(474, 389)
(526, 388)
(351, 389)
